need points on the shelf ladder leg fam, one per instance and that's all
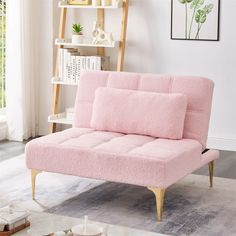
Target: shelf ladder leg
(101, 23)
(121, 54)
(56, 87)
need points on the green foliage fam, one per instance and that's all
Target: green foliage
(185, 1)
(196, 4)
(3, 6)
(77, 28)
(208, 8)
(199, 14)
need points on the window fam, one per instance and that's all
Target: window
(2, 54)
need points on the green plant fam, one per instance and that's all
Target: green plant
(77, 28)
(3, 6)
(186, 15)
(195, 5)
(201, 17)
(199, 13)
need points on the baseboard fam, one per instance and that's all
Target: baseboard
(222, 144)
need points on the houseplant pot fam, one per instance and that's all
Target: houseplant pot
(77, 36)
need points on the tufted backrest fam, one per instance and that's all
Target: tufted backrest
(197, 89)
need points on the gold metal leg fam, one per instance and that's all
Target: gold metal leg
(159, 194)
(34, 173)
(211, 172)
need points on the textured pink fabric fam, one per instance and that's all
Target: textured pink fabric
(132, 159)
(135, 112)
(197, 89)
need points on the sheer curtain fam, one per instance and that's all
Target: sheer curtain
(22, 69)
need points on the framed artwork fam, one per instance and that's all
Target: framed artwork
(195, 20)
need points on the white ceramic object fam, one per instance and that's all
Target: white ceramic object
(77, 38)
(96, 3)
(100, 36)
(115, 3)
(60, 233)
(106, 3)
(90, 230)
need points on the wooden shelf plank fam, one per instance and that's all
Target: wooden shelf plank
(64, 4)
(61, 82)
(86, 43)
(59, 119)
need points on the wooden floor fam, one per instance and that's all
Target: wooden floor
(224, 167)
(9, 149)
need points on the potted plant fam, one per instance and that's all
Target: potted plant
(77, 36)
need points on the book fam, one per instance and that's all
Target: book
(105, 63)
(71, 64)
(61, 57)
(98, 63)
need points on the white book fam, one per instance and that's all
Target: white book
(87, 61)
(83, 63)
(74, 67)
(61, 54)
(98, 63)
(65, 65)
(78, 66)
(69, 68)
(68, 63)
(68, 73)
(93, 62)
(105, 63)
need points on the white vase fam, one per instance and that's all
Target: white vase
(77, 38)
(106, 3)
(96, 3)
(115, 3)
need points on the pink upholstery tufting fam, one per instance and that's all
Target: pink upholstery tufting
(198, 91)
(132, 159)
(158, 115)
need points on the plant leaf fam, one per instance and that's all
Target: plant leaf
(200, 16)
(185, 1)
(208, 8)
(196, 4)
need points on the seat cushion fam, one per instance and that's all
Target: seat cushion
(158, 115)
(132, 159)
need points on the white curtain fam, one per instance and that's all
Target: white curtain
(22, 69)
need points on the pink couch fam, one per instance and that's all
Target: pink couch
(147, 161)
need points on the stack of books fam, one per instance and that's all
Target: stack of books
(71, 64)
(12, 220)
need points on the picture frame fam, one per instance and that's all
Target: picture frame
(197, 20)
(79, 2)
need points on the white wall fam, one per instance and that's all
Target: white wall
(149, 49)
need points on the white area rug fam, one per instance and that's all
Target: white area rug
(191, 208)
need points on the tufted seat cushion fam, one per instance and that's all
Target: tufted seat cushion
(132, 159)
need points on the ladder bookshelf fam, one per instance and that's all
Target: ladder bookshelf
(61, 42)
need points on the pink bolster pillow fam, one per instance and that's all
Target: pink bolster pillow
(135, 112)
